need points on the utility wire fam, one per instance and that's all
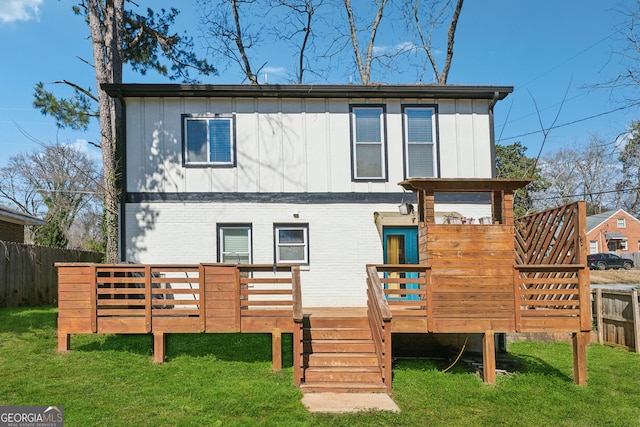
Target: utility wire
(634, 104)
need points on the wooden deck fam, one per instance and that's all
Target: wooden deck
(525, 275)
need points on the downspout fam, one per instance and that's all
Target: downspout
(501, 338)
(123, 174)
(492, 136)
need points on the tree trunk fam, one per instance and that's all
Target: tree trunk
(106, 30)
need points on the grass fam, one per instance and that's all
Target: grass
(226, 380)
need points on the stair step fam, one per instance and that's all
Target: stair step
(342, 359)
(339, 346)
(368, 374)
(333, 333)
(336, 322)
(343, 387)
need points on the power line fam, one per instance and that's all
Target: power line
(596, 193)
(570, 123)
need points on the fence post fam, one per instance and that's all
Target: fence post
(636, 319)
(599, 316)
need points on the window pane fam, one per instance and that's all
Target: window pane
(291, 253)
(196, 141)
(291, 236)
(369, 161)
(220, 140)
(420, 160)
(235, 240)
(419, 125)
(367, 125)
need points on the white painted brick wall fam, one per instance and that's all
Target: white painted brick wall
(343, 238)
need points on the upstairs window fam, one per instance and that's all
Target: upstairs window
(292, 243)
(368, 149)
(622, 223)
(208, 140)
(419, 142)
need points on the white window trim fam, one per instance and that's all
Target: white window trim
(406, 142)
(622, 222)
(208, 118)
(222, 252)
(382, 143)
(305, 244)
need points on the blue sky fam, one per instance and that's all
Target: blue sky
(543, 48)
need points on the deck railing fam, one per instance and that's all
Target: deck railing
(159, 299)
(551, 278)
(379, 316)
(407, 294)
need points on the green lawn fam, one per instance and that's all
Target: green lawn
(226, 380)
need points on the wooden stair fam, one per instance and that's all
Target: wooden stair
(339, 354)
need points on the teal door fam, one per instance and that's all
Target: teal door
(400, 246)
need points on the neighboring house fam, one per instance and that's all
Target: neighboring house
(613, 231)
(12, 224)
(299, 174)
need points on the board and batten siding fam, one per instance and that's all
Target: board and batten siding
(293, 145)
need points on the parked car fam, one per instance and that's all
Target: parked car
(606, 261)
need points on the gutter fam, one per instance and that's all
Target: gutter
(122, 140)
(151, 90)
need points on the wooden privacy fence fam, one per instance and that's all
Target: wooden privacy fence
(28, 275)
(160, 299)
(617, 317)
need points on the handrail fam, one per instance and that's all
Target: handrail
(375, 286)
(413, 268)
(380, 317)
(547, 268)
(296, 294)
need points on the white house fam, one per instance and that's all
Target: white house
(295, 174)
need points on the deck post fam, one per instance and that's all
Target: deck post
(276, 349)
(64, 342)
(580, 341)
(158, 347)
(489, 357)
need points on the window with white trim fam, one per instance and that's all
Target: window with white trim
(419, 142)
(368, 149)
(234, 244)
(622, 223)
(291, 243)
(208, 140)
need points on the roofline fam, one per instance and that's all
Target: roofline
(613, 213)
(307, 91)
(9, 215)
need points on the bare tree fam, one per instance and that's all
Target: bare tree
(229, 35)
(298, 23)
(58, 182)
(364, 59)
(427, 19)
(583, 172)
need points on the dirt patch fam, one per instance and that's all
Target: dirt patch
(615, 276)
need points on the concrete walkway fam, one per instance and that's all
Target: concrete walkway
(348, 402)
